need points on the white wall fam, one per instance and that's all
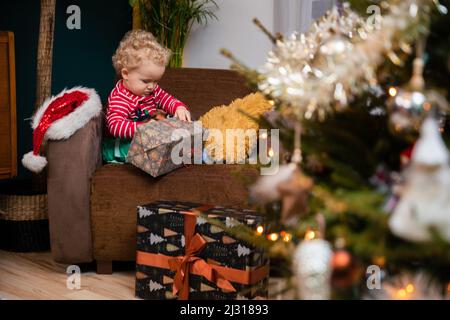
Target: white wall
(233, 30)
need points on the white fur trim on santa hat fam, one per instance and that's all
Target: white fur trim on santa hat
(34, 162)
(69, 124)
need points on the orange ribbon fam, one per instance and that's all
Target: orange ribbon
(183, 266)
(191, 264)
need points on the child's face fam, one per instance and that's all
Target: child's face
(142, 80)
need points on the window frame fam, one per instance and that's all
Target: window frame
(294, 15)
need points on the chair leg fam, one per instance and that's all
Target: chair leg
(104, 267)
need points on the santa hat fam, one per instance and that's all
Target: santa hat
(58, 118)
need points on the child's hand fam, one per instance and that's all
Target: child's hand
(183, 114)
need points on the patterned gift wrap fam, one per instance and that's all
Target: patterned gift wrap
(153, 142)
(223, 268)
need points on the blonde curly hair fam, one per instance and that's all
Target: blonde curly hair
(138, 45)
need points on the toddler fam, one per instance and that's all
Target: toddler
(140, 61)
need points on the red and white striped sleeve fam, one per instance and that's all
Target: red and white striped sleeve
(118, 118)
(166, 101)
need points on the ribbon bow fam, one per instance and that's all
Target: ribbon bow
(191, 263)
(188, 263)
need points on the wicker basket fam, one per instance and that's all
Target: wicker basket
(24, 223)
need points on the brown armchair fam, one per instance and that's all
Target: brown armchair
(92, 207)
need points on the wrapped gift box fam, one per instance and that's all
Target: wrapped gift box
(172, 240)
(153, 142)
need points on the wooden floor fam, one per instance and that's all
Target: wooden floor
(35, 276)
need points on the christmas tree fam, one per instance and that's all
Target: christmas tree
(361, 102)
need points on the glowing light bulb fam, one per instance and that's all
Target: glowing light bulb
(271, 153)
(273, 236)
(264, 135)
(286, 236)
(401, 294)
(260, 230)
(410, 288)
(392, 91)
(310, 235)
(380, 261)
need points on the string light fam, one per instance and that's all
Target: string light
(264, 135)
(260, 230)
(380, 261)
(406, 292)
(401, 294)
(271, 152)
(273, 236)
(410, 288)
(392, 91)
(310, 235)
(286, 236)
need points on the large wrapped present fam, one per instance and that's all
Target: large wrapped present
(153, 143)
(182, 255)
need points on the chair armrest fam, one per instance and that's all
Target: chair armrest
(71, 164)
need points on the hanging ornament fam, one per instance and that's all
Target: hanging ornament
(266, 189)
(408, 109)
(341, 259)
(346, 271)
(409, 106)
(294, 195)
(295, 191)
(288, 185)
(425, 199)
(312, 268)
